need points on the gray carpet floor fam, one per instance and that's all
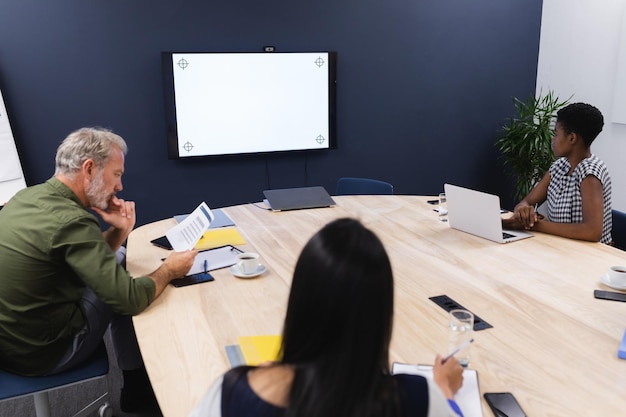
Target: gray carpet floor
(66, 402)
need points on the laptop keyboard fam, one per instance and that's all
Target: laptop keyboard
(506, 235)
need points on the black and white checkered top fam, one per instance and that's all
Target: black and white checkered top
(565, 203)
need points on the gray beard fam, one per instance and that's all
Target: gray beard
(96, 193)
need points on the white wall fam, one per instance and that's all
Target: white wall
(582, 51)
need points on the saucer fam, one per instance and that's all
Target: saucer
(240, 274)
(607, 281)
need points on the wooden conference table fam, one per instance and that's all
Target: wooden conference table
(552, 344)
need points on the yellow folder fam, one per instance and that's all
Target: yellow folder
(214, 238)
(259, 349)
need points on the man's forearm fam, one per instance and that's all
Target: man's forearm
(115, 237)
(161, 277)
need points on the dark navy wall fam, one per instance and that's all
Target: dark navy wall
(423, 88)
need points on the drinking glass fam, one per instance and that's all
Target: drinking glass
(443, 208)
(461, 325)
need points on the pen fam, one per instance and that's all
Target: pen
(457, 350)
(206, 266)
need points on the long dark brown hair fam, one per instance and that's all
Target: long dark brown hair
(338, 325)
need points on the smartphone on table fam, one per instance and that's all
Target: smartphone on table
(610, 295)
(504, 404)
(162, 242)
(192, 279)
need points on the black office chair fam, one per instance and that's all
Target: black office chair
(619, 229)
(363, 186)
(14, 386)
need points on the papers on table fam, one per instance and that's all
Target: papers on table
(215, 259)
(214, 238)
(254, 350)
(468, 397)
(222, 231)
(220, 219)
(187, 233)
(259, 349)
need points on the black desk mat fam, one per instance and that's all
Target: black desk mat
(449, 304)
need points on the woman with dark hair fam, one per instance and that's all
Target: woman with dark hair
(335, 344)
(576, 188)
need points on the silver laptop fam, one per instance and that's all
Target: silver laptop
(478, 213)
(298, 198)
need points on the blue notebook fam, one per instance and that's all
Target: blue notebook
(220, 219)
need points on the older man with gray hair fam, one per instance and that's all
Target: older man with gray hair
(61, 283)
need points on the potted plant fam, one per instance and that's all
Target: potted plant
(526, 144)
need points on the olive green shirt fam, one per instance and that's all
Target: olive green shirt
(51, 249)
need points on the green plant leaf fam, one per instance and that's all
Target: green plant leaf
(526, 141)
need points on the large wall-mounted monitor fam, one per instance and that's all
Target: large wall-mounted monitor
(244, 103)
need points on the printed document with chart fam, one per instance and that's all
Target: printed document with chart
(187, 233)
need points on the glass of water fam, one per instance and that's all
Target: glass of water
(443, 208)
(461, 325)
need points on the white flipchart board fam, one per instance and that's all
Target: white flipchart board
(11, 174)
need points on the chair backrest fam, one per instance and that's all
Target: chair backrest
(619, 229)
(363, 186)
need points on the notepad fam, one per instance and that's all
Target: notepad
(214, 238)
(621, 351)
(222, 231)
(259, 349)
(216, 258)
(468, 397)
(254, 350)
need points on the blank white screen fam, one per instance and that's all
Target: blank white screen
(251, 102)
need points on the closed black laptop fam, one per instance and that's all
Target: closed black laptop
(298, 198)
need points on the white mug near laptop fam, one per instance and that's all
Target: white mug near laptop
(478, 213)
(617, 275)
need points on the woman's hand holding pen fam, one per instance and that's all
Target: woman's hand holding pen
(526, 215)
(448, 375)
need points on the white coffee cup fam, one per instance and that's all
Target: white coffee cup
(248, 262)
(617, 275)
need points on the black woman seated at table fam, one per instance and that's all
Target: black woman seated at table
(577, 187)
(335, 343)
